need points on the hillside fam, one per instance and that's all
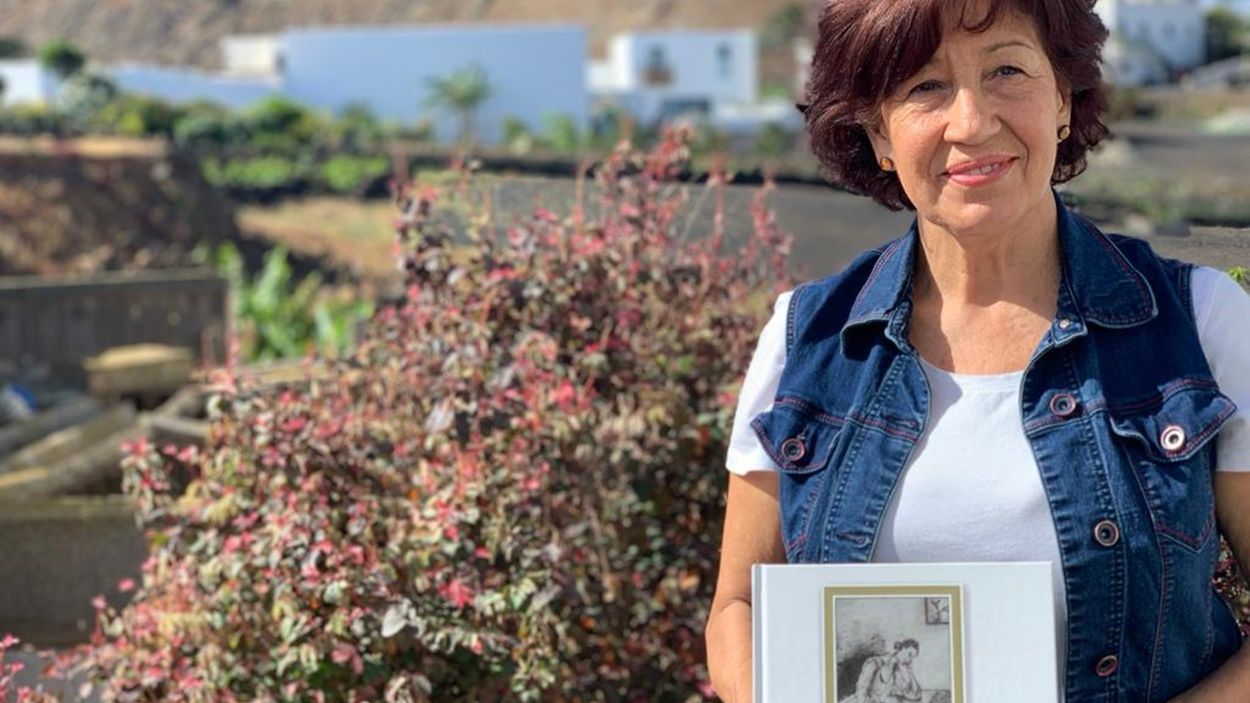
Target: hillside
(187, 33)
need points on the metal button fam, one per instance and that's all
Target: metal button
(1107, 665)
(1107, 533)
(1172, 438)
(1063, 404)
(793, 449)
(1064, 323)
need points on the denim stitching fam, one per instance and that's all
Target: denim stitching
(835, 501)
(813, 498)
(1106, 499)
(794, 543)
(1164, 603)
(810, 409)
(876, 270)
(1118, 257)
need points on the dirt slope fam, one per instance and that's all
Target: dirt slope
(188, 31)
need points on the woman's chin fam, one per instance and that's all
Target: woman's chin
(976, 217)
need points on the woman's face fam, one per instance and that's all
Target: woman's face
(973, 135)
(907, 654)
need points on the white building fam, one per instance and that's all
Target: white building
(662, 74)
(252, 55)
(183, 85)
(27, 81)
(534, 71)
(1174, 31)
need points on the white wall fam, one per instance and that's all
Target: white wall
(1173, 28)
(713, 67)
(177, 85)
(25, 81)
(251, 55)
(535, 70)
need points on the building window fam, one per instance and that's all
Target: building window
(657, 71)
(724, 61)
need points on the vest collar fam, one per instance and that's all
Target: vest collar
(1097, 282)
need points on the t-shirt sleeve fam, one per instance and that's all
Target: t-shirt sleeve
(759, 388)
(1221, 307)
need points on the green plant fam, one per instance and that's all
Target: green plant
(353, 174)
(356, 128)
(461, 92)
(62, 58)
(562, 134)
(774, 140)
(517, 137)
(265, 172)
(137, 116)
(278, 318)
(1227, 35)
(84, 96)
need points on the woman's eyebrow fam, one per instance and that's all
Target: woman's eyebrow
(1004, 44)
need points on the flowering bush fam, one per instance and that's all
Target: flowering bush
(511, 491)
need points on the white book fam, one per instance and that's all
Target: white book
(923, 633)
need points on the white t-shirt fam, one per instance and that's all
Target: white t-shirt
(944, 509)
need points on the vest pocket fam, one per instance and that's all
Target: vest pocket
(1168, 442)
(800, 441)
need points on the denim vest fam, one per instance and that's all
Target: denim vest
(1119, 407)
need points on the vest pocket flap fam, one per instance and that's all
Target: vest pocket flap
(1175, 428)
(798, 441)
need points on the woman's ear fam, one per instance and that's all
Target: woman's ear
(880, 142)
(1065, 104)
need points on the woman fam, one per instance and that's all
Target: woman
(888, 678)
(1004, 381)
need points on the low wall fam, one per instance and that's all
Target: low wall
(56, 555)
(59, 321)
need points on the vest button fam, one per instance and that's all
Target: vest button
(1107, 533)
(1063, 404)
(1172, 438)
(793, 449)
(1107, 665)
(1064, 323)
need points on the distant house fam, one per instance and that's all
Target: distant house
(179, 85)
(1152, 36)
(658, 75)
(534, 71)
(26, 81)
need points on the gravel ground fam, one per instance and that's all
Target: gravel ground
(831, 227)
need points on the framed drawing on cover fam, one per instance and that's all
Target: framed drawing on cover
(893, 643)
(921, 633)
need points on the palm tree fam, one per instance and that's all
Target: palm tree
(462, 92)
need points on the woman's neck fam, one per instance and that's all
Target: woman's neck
(1017, 263)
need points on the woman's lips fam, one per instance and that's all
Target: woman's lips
(987, 173)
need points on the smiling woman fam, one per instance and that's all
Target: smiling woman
(1003, 382)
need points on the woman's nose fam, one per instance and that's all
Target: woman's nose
(971, 118)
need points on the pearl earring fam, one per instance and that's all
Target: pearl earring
(887, 164)
(1064, 132)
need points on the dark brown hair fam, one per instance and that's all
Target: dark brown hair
(866, 48)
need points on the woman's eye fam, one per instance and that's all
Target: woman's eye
(1007, 71)
(925, 87)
